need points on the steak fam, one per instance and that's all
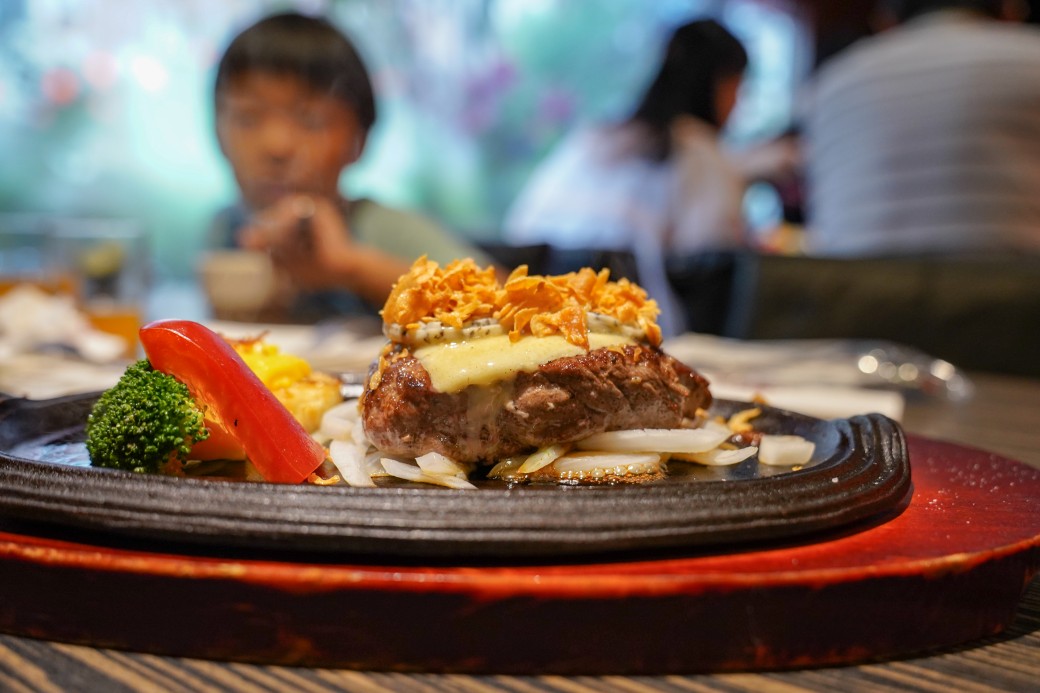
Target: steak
(562, 401)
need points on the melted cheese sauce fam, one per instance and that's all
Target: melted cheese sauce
(453, 366)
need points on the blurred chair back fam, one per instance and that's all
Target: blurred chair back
(979, 313)
(546, 259)
(703, 282)
(512, 256)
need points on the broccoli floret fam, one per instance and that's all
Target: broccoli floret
(143, 423)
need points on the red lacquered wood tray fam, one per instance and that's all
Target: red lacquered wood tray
(949, 569)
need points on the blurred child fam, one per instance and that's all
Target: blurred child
(294, 105)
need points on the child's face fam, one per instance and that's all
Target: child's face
(281, 137)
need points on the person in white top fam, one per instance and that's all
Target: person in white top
(657, 183)
(926, 138)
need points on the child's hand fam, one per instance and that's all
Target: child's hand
(307, 237)
(310, 243)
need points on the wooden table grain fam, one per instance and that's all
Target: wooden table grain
(1002, 417)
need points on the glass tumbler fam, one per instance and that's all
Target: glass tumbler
(107, 261)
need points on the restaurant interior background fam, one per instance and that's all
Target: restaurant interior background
(106, 113)
(105, 105)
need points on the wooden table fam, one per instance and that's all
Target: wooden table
(1004, 417)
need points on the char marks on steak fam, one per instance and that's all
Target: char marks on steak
(564, 400)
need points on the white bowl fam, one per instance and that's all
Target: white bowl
(238, 283)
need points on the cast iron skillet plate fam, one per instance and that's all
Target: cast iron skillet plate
(860, 471)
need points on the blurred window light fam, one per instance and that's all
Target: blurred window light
(149, 73)
(101, 70)
(106, 104)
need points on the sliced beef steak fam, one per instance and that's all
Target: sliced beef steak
(564, 400)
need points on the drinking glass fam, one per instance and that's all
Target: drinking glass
(24, 254)
(107, 263)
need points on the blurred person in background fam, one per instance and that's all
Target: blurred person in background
(294, 105)
(926, 137)
(660, 182)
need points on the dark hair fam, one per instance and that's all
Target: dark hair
(699, 55)
(903, 10)
(308, 47)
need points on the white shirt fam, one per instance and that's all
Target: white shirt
(927, 139)
(596, 190)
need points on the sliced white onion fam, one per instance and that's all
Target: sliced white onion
(666, 440)
(719, 457)
(350, 461)
(542, 458)
(412, 472)
(402, 470)
(337, 423)
(785, 450)
(357, 434)
(436, 463)
(605, 463)
(374, 465)
(506, 468)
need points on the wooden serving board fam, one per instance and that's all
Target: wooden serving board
(949, 569)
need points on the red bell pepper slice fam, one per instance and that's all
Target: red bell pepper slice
(234, 397)
(220, 445)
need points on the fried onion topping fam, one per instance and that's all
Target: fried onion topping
(461, 292)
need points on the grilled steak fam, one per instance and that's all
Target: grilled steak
(564, 400)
